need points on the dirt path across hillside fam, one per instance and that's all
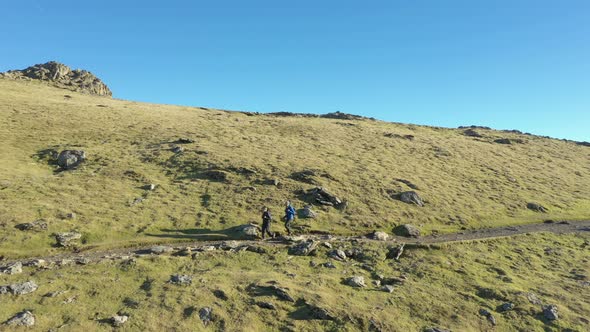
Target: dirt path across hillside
(91, 255)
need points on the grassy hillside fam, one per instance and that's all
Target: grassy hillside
(466, 182)
(445, 288)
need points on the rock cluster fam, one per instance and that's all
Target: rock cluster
(62, 76)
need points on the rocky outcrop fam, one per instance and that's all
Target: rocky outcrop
(407, 230)
(61, 76)
(25, 318)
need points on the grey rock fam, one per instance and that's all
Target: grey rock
(37, 225)
(537, 207)
(118, 321)
(206, 315)
(356, 281)
(282, 294)
(308, 212)
(488, 315)
(395, 252)
(266, 305)
(246, 232)
(322, 196)
(304, 248)
(150, 187)
(329, 265)
(62, 76)
(550, 312)
(407, 230)
(177, 149)
(220, 294)
(184, 140)
(320, 313)
(387, 288)
(216, 175)
(180, 279)
(471, 133)
(506, 306)
(70, 159)
(23, 288)
(409, 197)
(25, 318)
(379, 236)
(12, 268)
(66, 239)
(337, 255)
(158, 250)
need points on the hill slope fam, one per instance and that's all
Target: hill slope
(227, 174)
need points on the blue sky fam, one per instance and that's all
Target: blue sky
(508, 64)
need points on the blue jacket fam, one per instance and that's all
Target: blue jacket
(290, 212)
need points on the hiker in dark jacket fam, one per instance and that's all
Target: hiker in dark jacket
(266, 218)
(289, 217)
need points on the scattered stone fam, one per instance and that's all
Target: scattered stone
(25, 318)
(506, 307)
(70, 215)
(266, 305)
(37, 263)
(533, 298)
(356, 281)
(471, 133)
(118, 321)
(320, 313)
(216, 175)
(205, 314)
(321, 196)
(327, 245)
(180, 279)
(37, 225)
(229, 245)
(12, 268)
(308, 212)
(282, 294)
(187, 251)
(488, 315)
(220, 294)
(329, 265)
(338, 255)
(304, 248)
(21, 289)
(150, 187)
(379, 236)
(256, 249)
(407, 230)
(177, 149)
(503, 141)
(82, 260)
(536, 207)
(387, 288)
(395, 252)
(550, 312)
(70, 159)
(158, 250)
(394, 280)
(376, 283)
(409, 197)
(184, 140)
(66, 239)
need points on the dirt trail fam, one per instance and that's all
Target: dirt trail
(91, 255)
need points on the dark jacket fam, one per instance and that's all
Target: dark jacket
(266, 217)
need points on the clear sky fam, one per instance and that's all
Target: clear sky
(508, 64)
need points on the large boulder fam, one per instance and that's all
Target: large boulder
(409, 197)
(67, 239)
(307, 212)
(536, 207)
(356, 281)
(12, 268)
(25, 318)
(407, 230)
(550, 312)
(62, 76)
(70, 159)
(304, 248)
(379, 236)
(244, 232)
(23, 288)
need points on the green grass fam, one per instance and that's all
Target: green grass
(446, 287)
(483, 183)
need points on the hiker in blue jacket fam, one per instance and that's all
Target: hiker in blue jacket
(289, 217)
